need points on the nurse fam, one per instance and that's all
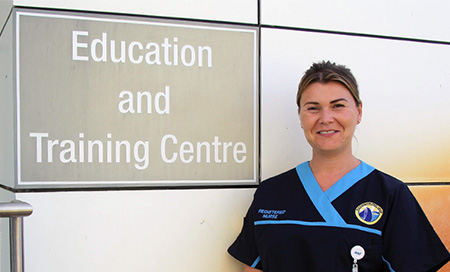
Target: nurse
(335, 212)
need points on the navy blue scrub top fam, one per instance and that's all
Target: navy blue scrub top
(292, 225)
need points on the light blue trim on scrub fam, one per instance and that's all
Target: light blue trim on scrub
(317, 196)
(322, 200)
(256, 262)
(347, 181)
(315, 224)
(388, 264)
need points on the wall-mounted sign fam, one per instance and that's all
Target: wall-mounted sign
(105, 100)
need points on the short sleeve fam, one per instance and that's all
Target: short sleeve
(410, 243)
(244, 247)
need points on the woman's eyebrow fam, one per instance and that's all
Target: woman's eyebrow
(310, 103)
(331, 102)
(338, 100)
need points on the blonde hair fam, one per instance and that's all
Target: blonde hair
(324, 72)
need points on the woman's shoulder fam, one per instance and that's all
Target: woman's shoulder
(281, 181)
(385, 177)
(387, 181)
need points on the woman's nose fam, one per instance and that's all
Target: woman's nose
(326, 116)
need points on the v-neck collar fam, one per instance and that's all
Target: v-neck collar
(322, 200)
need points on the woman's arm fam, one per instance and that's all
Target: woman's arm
(250, 269)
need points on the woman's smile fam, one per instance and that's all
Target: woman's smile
(327, 132)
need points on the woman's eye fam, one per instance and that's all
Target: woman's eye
(338, 106)
(312, 108)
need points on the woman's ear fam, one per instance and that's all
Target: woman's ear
(359, 108)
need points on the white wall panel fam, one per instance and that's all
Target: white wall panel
(7, 139)
(138, 231)
(405, 88)
(6, 126)
(5, 8)
(233, 11)
(413, 19)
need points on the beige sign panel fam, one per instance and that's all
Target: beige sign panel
(123, 101)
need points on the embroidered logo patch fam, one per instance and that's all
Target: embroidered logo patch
(369, 213)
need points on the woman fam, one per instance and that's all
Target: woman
(335, 212)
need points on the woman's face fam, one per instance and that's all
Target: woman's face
(329, 115)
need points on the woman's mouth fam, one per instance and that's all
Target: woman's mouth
(326, 132)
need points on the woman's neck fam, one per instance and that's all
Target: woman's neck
(329, 169)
